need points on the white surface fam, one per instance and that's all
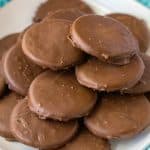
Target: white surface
(18, 14)
(126, 6)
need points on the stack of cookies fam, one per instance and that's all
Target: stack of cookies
(75, 79)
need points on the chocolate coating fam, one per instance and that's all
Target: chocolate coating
(18, 70)
(7, 104)
(53, 5)
(30, 130)
(53, 51)
(7, 42)
(68, 14)
(137, 26)
(107, 77)
(143, 85)
(119, 116)
(104, 38)
(87, 141)
(59, 96)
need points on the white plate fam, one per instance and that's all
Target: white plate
(18, 14)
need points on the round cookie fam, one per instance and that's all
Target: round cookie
(68, 14)
(53, 5)
(109, 40)
(59, 96)
(18, 70)
(137, 26)
(87, 141)
(7, 104)
(119, 116)
(54, 51)
(7, 42)
(107, 77)
(43, 134)
(143, 85)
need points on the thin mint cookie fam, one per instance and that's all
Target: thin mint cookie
(47, 45)
(143, 85)
(7, 103)
(18, 70)
(104, 38)
(43, 134)
(137, 26)
(68, 14)
(108, 77)
(7, 42)
(119, 116)
(58, 95)
(53, 5)
(87, 141)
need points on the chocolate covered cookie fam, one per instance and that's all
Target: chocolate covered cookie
(108, 77)
(137, 26)
(7, 42)
(53, 5)
(18, 70)
(104, 38)
(119, 116)
(59, 96)
(47, 45)
(43, 134)
(87, 141)
(7, 103)
(68, 14)
(143, 85)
